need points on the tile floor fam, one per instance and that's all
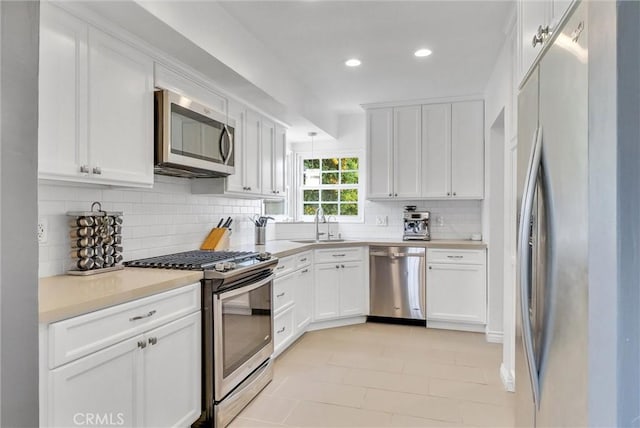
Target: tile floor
(380, 375)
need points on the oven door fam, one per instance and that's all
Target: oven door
(243, 333)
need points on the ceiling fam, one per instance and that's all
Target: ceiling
(312, 39)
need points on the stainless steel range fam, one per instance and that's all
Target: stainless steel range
(237, 336)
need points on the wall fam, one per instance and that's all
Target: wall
(162, 220)
(18, 198)
(500, 96)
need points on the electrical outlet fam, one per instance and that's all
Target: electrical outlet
(439, 221)
(43, 230)
(382, 220)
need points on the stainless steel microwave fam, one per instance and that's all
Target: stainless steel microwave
(191, 140)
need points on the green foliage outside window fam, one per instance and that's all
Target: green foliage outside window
(331, 183)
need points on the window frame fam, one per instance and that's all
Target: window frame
(300, 187)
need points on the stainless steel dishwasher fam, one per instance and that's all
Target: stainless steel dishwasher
(397, 276)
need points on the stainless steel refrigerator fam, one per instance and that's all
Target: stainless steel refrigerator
(551, 316)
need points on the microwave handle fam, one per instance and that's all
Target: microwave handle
(226, 145)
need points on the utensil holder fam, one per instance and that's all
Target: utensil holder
(96, 238)
(261, 235)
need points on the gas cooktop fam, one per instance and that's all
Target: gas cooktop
(198, 260)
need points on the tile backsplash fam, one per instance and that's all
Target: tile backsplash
(162, 220)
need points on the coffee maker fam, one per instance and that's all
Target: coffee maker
(416, 224)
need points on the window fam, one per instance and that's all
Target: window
(332, 183)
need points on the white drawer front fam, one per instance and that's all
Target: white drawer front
(332, 255)
(283, 289)
(475, 257)
(282, 329)
(79, 336)
(285, 265)
(303, 259)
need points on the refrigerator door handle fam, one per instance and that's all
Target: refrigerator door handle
(526, 210)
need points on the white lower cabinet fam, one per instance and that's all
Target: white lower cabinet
(152, 379)
(456, 286)
(292, 291)
(339, 286)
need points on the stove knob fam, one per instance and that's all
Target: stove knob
(219, 267)
(229, 266)
(263, 256)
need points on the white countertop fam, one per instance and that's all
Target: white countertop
(66, 296)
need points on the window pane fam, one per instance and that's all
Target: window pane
(329, 195)
(330, 164)
(310, 209)
(311, 164)
(310, 195)
(349, 195)
(349, 178)
(329, 178)
(349, 209)
(349, 163)
(330, 209)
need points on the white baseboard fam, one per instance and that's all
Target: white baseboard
(508, 378)
(461, 326)
(319, 325)
(494, 336)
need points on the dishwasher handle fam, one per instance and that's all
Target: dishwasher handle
(394, 255)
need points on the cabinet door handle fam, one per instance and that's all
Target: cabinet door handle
(84, 169)
(430, 268)
(390, 194)
(280, 267)
(280, 295)
(396, 195)
(142, 344)
(305, 271)
(342, 266)
(455, 257)
(448, 193)
(337, 266)
(454, 193)
(303, 260)
(281, 330)
(97, 170)
(338, 255)
(139, 317)
(153, 340)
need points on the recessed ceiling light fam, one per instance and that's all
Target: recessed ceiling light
(353, 62)
(422, 52)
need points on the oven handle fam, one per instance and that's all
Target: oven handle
(246, 288)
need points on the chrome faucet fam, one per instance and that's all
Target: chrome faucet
(319, 212)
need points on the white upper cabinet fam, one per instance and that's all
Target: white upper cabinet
(120, 111)
(467, 150)
(407, 137)
(267, 138)
(253, 162)
(433, 151)
(62, 124)
(394, 141)
(537, 20)
(95, 105)
(380, 153)
(279, 158)
(436, 150)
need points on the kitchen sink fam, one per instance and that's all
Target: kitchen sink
(322, 241)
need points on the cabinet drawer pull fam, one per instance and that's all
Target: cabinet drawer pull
(142, 344)
(153, 340)
(280, 267)
(281, 330)
(84, 169)
(139, 317)
(342, 266)
(280, 295)
(455, 257)
(338, 255)
(305, 270)
(430, 268)
(303, 260)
